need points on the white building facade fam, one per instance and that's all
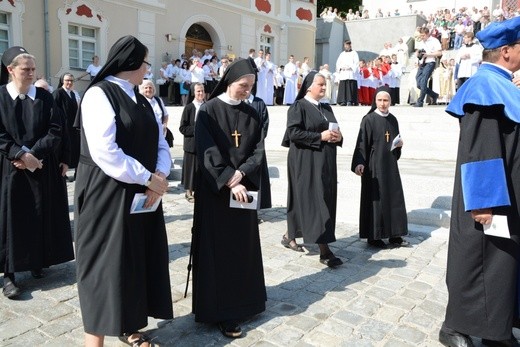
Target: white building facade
(65, 34)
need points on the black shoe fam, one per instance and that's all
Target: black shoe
(434, 99)
(37, 273)
(230, 329)
(377, 243)
(451, 338)
(330, 260)
(399, 241)
(10, 291)
(138, 341)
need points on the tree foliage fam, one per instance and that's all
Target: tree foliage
(341, 5)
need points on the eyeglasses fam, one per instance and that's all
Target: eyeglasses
(68, 80)
(147, 63)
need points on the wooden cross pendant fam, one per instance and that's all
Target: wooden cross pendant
(387, 135)
(236, 135)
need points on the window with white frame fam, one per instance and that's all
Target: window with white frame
(82, 45)
(266, 44)
(4, 32)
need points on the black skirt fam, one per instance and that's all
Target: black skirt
(189, 164)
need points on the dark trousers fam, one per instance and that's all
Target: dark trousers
(348, 92)
(163, 89)
(278, 95)
(423, 75)
(174, 93)
(394, 95)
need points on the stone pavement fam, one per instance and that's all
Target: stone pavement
(393, 297)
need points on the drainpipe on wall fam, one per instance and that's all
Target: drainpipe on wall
(46, 41)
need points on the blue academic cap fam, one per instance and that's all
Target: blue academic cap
(498, 34)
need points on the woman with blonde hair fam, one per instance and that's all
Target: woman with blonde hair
(34, 221)
(147, 88)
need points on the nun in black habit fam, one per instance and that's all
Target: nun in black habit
(382, 213)
(312, 136)
(228, 277)
(122, 258)
(34, 221)
(66, 100)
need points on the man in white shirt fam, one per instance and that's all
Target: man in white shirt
(172, 71)
(347, 66)
(396, 72)
(262, 75)
(460, 29)
(197, 74)
(206, 55)
(306, 68)
(290, 73)
(429, 48)
(350, 15)
(401, 49)
(469, 58)
(270, 70)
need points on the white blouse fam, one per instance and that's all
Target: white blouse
(99, 125)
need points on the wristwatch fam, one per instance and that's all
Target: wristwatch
(147, 183)
(242, 173)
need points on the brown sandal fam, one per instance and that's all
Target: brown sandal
(287, 244)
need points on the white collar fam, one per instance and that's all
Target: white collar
(224, 97)
(311, 100)
(127, 87)
(499, 66)
(14, 93)
(381, 113)
(197, 103)
(68, 91)
(124, 84)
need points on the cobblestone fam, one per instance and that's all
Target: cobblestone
(392, 297)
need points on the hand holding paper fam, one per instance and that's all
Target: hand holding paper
(397, 142)
(498, 227)
(251, 203)
(139, 202)
(335, 132)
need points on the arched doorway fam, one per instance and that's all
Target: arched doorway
(197, 38)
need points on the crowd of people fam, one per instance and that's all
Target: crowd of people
(478, 17)
(117, 140)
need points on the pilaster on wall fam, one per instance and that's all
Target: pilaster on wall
(248, 35)
(282, 46)
(146, 30)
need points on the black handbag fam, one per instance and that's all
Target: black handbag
(169, 137)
